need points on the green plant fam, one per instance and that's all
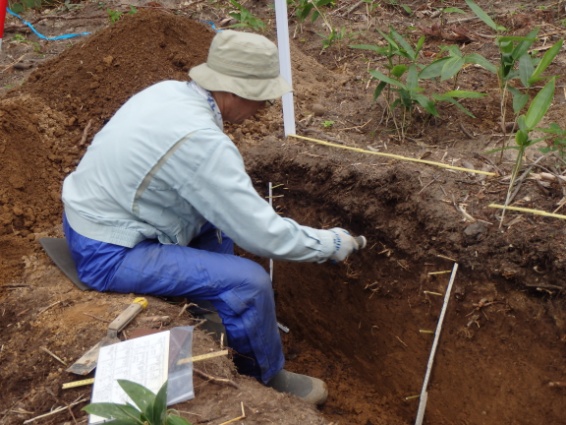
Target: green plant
(19, 6)
(516, 63)
(114, 15)
(71, 6)
(20, 38)
(449, 66)
(527, 123)
(395, 4)
(403, 85)
(555, 139)
(335, 37)
(327, 123)
(245, 18)
(371, 5)
(151, 408)
(305, 8)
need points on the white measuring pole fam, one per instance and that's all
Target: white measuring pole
(279, 325)
(282, 22)
(271, 205)
(424, 393)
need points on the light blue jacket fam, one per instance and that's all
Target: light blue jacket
(162, 167)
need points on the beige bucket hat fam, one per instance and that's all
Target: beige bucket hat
(242, 63)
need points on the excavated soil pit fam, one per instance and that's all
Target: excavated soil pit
(365, 325)
(360, 326)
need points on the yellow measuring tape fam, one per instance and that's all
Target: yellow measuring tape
(80, 383)
(394, 156)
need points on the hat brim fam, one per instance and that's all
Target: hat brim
(247, 88)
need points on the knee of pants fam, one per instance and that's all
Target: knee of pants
(259, 278)
(253, 288)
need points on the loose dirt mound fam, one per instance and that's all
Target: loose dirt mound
(363, 326)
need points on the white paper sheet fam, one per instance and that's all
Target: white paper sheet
(142, 360)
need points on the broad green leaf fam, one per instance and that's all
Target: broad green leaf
(434, 69)
(521, 123)
(140, 395)
(124, 422)
(413, 78)
(176, 420)
(478, 59)
(406, 98)
(545, 61)
(370, 47)
(484, 16)
(522, 48)
(427, 104)
(540, 104)
(114, 410)
(419, 45)
(453, 50)
(512, 39)
(453, 10)
(379, 89)
(315, 15)
(304, 12)
(464, 94)
(526, 69)
(158, 409)
(553, 128)
(505, 44)
(398, 70)
(404, 45)
(382, 77)
(451, 67)
(520, 99)
(390, 41)
(443, 98)
(522, 138)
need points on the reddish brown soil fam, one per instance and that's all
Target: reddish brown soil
(357, 325)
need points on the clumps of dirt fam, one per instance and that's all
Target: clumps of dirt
(95, 77)
(46, 124)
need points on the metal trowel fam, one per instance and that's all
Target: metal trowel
(87, 362)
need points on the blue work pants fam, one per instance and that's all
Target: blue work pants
(206, 270)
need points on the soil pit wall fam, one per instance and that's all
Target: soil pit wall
(363, 326)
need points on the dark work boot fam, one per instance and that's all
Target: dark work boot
(311, 390)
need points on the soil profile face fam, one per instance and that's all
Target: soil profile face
(363, 326)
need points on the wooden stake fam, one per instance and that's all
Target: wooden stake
(53, 412)
(45, 349)
(239, 418)
(214, 378)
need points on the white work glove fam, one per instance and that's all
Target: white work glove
(344, 244)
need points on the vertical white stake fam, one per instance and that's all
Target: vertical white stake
(282, 22)
(270, 204)
(279, 325)
(424, 394)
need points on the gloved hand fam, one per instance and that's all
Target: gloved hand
(344, 244)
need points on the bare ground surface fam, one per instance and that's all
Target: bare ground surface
(358, 325)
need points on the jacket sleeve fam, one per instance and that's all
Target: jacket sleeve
(214, 181)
